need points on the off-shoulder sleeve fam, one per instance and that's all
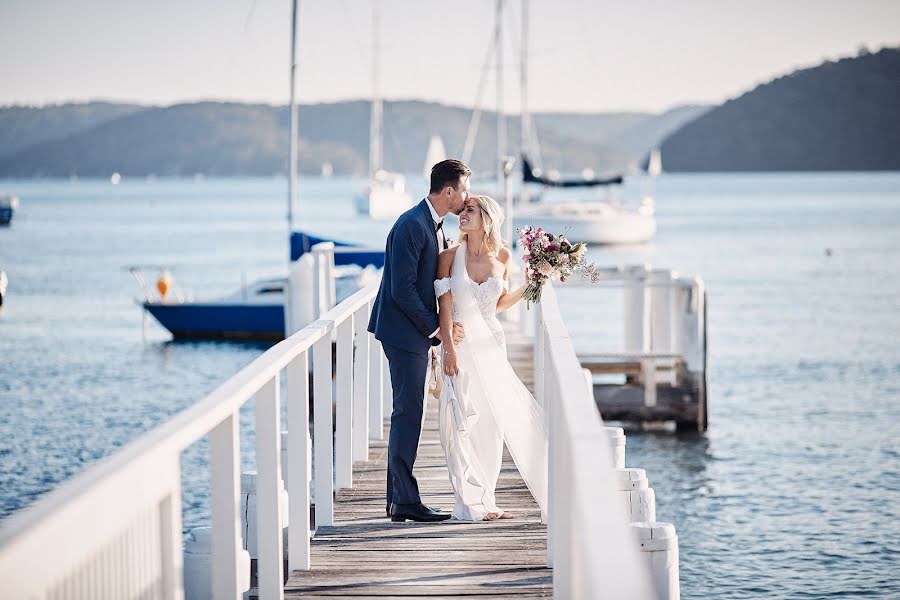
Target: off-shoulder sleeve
(441, 286)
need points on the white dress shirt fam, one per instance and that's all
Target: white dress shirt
(439, 234)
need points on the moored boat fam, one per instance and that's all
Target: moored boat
(8, 205)
(593, 222)
(256, 311)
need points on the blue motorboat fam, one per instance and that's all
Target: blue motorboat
(8, 206)
(256, 311)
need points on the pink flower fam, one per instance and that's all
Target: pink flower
(526, 257)
(544, 268)
(564, 259)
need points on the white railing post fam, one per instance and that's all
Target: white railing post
(636, 316)
(270, 582)
(298, 475)
(538, 357)
(661, 281)
(565, 537)
(553, 489)
(225, 488)
(325, 295)
(343, 450)
(322, 429)
(361, 385)
(171, 555)
(376, 389)
(661, 329)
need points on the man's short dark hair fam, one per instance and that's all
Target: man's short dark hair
(447, 172)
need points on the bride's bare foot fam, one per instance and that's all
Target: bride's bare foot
(491, 517)
(506, 515)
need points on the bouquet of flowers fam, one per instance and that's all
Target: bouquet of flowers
(549, 256)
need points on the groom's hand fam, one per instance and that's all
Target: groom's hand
(459, 334)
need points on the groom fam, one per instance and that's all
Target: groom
(404, 319)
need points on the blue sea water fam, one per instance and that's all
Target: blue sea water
(793, 493)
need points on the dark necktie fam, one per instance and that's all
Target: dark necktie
(439, 230)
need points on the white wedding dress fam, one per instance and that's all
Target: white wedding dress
(486, 404)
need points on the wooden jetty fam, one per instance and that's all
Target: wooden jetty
(664, 361)
(365, 555)
(115, 530)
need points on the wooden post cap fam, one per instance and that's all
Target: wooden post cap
(654, 536)
(631, 479)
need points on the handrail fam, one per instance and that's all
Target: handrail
(129, 504)
(589, 547)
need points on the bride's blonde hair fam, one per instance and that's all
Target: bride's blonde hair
(492, 217)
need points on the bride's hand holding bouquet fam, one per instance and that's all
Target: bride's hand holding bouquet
(548, 256)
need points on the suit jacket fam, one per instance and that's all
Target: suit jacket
(405, 309)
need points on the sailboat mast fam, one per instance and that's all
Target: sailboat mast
(501, 119)
(376, 121)
(292, 152)
(524, 117)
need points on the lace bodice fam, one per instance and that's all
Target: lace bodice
(486, 293)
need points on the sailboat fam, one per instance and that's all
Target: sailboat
(435, 154)
(385, 197)
(587, 220)
(256, 311)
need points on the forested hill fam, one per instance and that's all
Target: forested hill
(842, 115)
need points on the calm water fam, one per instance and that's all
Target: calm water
(794, 492)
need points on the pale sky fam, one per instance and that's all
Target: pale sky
(585, 55)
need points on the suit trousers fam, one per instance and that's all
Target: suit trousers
(408, 373)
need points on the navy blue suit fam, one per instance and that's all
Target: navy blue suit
(403, 316)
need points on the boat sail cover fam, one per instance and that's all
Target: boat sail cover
(529, 176)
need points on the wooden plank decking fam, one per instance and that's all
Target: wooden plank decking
(365, 555)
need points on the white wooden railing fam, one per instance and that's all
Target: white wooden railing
(592, 553)
(115, 530)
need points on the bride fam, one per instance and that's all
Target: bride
(482, 402)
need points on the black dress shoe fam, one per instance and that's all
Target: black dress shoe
(416, 512)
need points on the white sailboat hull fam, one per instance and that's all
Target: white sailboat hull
(385, 198)
(383, 203)
(591, 222)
